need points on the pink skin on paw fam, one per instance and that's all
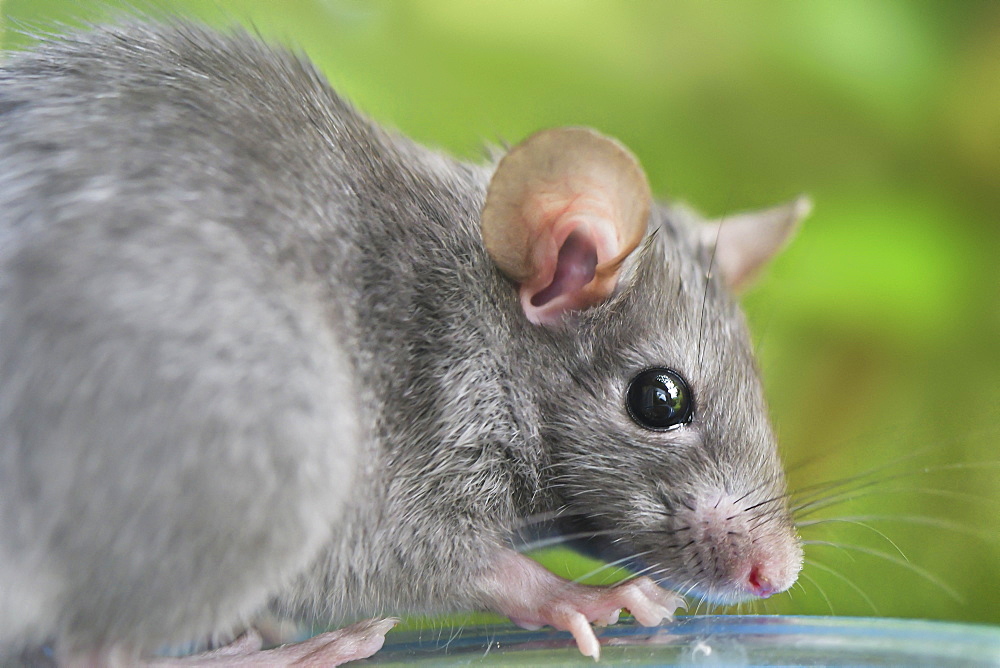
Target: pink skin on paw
(358, 641)
(532, 597)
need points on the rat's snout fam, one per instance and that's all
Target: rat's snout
(737, 550)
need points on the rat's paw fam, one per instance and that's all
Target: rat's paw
(358, 641)
(572, 607)
(532, 597)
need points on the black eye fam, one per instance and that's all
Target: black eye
(659, 399)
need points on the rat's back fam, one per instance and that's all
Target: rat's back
(174, 396)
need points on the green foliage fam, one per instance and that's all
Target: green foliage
(878, 328)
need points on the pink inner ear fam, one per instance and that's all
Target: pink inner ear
(575, 268)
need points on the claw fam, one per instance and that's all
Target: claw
(648, 603)
(583, 634)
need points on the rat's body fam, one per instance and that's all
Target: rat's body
(255, 356)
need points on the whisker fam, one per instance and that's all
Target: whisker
(827, 543)
(853, 522)
(608, 566)
(767, 518)
(934, 522)
(865, 478)
(820, 504)
(773, 499)
(843, 578)
(865, 482)
(562, 539)
(917, 570)
(548, 516)
(820, 589)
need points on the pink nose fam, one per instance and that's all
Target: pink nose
(759, 584)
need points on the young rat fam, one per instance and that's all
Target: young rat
(258, 355)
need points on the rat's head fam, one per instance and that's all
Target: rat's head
(660, 447)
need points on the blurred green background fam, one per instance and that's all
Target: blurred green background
(878, 329)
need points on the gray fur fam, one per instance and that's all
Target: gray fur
(253, 355)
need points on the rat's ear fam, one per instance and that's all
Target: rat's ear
(744, 243)
(563, 211)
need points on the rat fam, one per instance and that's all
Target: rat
(261, 358)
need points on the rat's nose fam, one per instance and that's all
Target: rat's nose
(759, 584)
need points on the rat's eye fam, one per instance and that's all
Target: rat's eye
(659, 399)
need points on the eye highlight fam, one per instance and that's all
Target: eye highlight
(659, 399)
